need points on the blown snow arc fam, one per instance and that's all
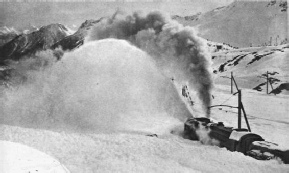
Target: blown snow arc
(176, 49)
(106, 85)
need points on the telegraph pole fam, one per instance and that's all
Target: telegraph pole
(239, 108)
(267, 82)
(231, 82)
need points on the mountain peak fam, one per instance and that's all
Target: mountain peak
(88, 23)
(85, 26)
(8, 30)
(54, 28)
(75, 40)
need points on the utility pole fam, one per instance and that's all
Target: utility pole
(267, 82)
(239, 108)
(270, 41)
(232, 82)
(240, 104)
(246, 119)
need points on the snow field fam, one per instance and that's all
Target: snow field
(123, 152)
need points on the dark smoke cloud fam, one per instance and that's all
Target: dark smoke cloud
(176, 49)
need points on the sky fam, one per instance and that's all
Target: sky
(24, 13)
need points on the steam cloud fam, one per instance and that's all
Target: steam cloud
(204, 136)
(176, 49)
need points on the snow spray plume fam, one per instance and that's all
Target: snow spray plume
(104, 86)
(22, 70)
(176, 49)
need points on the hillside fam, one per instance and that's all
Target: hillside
(243, 23)
(250, 66)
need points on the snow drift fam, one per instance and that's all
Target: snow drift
(89, 153)
(103, 86)
(176, 49)
(16, 157)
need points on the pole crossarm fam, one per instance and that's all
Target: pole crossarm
(225, 77)
(222, 106)
(236, 93)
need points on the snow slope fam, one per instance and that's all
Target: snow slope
(268, 114)
(250, 66)
(21, 159)
(243, 23)
(121, 152)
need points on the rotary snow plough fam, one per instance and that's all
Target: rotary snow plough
(240, 140)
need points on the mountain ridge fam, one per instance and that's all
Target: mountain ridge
(77, 39)
(25, 44)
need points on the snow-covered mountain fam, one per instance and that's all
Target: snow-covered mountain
(75, 40)
(7, 30)
(243, 23)
(7, 34)
(26, 44)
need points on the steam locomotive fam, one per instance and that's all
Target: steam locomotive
(240, 140)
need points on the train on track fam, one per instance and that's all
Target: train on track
(240, 140)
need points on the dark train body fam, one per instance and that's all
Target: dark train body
(239, 140)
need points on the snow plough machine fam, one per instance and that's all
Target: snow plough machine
(240, 140)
